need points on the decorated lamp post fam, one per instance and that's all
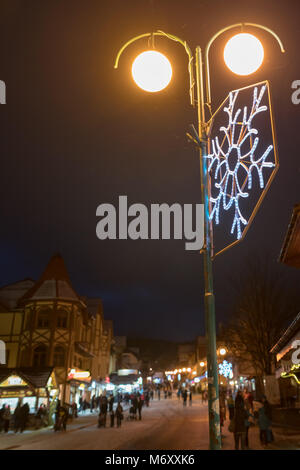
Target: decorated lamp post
(224, 159)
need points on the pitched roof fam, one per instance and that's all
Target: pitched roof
(11, 293)
(36, 376)
(293, 328)
(290, 252)
(54, 283)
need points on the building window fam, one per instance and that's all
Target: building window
(62, 318)
(6, 357)
(40, 356)
(43, 318)
(59, 356)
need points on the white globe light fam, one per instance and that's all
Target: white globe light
(151, 71)
(243, 54)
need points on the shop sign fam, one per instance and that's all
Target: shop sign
(13, 381)
(82, 375)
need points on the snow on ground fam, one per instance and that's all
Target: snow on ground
(165, 425)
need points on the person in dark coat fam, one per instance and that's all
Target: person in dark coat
(1, 418)
(239, 425)
(265, 421)
(64, 413)
(190, 397)
(230, 405)
(139, 407)
(184, 397)
(24, 412)
(111, 403)
(6, 418)
(119, 415)
(17, 416)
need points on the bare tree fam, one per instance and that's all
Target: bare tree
(264, 304)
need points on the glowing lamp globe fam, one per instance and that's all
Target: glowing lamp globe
(151, 71)
(243, 54)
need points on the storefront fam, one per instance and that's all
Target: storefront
(79, 383)
(32, 386)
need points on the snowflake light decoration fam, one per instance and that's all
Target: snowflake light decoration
(234, 157)
(225, 369)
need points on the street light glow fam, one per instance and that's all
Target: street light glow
(243, 54)
(151, 71)
(223, 351)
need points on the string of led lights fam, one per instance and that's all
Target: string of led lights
(230, 169)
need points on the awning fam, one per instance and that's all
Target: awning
(35, 377)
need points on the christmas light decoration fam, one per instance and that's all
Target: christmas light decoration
(225, 369)
(233, 159)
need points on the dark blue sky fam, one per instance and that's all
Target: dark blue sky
(76, 133)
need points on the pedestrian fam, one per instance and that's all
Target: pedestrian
(152, 394)
(184, 396)
(250, 401)
(111, 403)
(166, 393)
(64, 414)
(239, 422)
(222, 401)
(190, 397)
(158, 393)
(6, 418)
(119, 415)
(1, 417)
(230, 406)
(17, 416)
(178, 393)
(74, 410)
(147, 398)
(57, 418)
(24, 412)
(139, 407)
(112, 418)
(264, 422)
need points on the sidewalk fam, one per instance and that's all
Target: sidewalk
(84, 420)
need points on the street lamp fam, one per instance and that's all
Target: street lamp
(151, 71)
(243, 55)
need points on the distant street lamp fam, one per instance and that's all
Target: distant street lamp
(152, 72)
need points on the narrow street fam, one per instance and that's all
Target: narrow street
(165, 425)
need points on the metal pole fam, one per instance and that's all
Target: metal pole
(210, 322)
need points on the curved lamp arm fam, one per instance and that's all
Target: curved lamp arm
(208, 88)
(173, 38)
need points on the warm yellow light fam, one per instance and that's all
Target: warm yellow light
(151, 71)
(180, 371)
(243, 54)
(194, 372)
(223, 351)
(184, 369)
(175, 371)
(189, 369)
(202, 364)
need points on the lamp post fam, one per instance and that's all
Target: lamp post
(241, 62)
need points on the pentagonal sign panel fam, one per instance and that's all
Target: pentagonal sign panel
(242, 161)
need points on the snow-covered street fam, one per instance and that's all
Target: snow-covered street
(165, 425)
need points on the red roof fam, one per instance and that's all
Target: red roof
(54, 283)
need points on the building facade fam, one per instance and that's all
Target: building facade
(47, 324)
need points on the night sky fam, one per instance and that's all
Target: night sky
(76, 133)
